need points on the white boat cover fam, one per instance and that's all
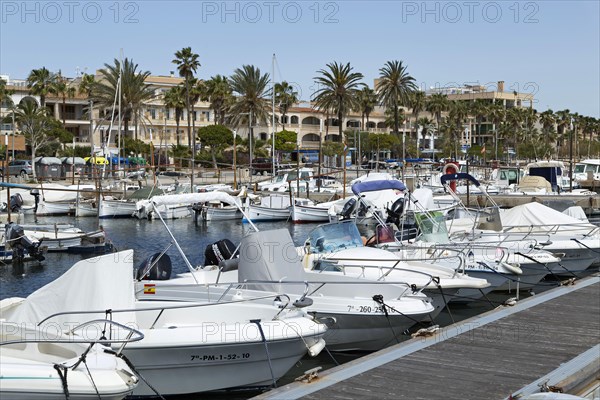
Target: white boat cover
(271, 256)
(187, 198)
(542, 218)
(576, 212)
(424, 197)
(98, 283)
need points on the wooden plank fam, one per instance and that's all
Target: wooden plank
(490, 361)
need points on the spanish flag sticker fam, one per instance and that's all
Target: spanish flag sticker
(149, 288)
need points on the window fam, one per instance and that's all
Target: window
(152, 113)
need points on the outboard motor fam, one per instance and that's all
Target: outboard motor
(155, 268)
(348, 209)
(20, 244)
(16, 202)
(395, 212)
(219, 251)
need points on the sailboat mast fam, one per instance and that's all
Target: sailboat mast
(273, 114)
(120, 119)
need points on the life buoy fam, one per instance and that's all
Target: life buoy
(450, 168)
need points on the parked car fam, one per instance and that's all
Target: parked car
(19, 168)
(261, 165)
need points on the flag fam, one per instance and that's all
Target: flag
(149, 288)
(483, 149)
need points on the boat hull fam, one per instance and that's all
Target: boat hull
(309, 214)
(116, 209)
(200, 368)
(219, 214)
(260, 213)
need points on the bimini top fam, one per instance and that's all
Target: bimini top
(457, 177)
(373, 186)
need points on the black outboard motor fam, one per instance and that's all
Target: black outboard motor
(154, 268)
(348, 209)
(218, 251)
(395, 212)
(20, 244)
(16, 202)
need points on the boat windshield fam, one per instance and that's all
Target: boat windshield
(334, 237)
(433, 227)
(579, 168)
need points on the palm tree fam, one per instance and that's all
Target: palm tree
(338, 91)
(563, 120)
(63, 89)
(367, 100)
(34, 123)
(134, 91)
(285, 97)
(86, 84)
(40, 82)
(217, 91)
(458, 113)
(251, 105)
(395, 88)
(479, 109)
(417, 104)
(427, 126)
(515, 118)
(436, 104)
(187, 65)
(496, 113)
(548, 122)
(175, 99)
(5, 94)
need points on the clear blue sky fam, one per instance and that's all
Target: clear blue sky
(551, 48)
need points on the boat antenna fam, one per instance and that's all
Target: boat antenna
(273, 115)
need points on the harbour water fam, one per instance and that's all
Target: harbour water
(149, 237)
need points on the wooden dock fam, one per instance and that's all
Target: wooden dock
(489, 356)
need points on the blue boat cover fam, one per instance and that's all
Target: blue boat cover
(373, 186)
(457, 177)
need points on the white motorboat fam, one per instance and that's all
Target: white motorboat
(187, 348)
(275, 207)
(112, 208)
(533, 225)
(355, 309)
(86, 209)
(54, 238)
(216, 211)
(47, 208)
(339, 247)
(40, 364)
(304, 210)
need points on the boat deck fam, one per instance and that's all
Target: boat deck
(485, 357)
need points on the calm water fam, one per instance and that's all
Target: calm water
(144, 237)
(149, 237)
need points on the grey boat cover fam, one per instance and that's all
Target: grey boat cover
(271, 256)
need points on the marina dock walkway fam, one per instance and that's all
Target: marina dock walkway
(489, 356)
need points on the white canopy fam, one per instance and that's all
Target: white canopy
(542, 218)
(187, 198)
(98, 283)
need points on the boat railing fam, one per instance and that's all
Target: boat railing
(109, 313)
(133, 335)
(221, 294)
(364, 267)
(431, 253)
(320, 284)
